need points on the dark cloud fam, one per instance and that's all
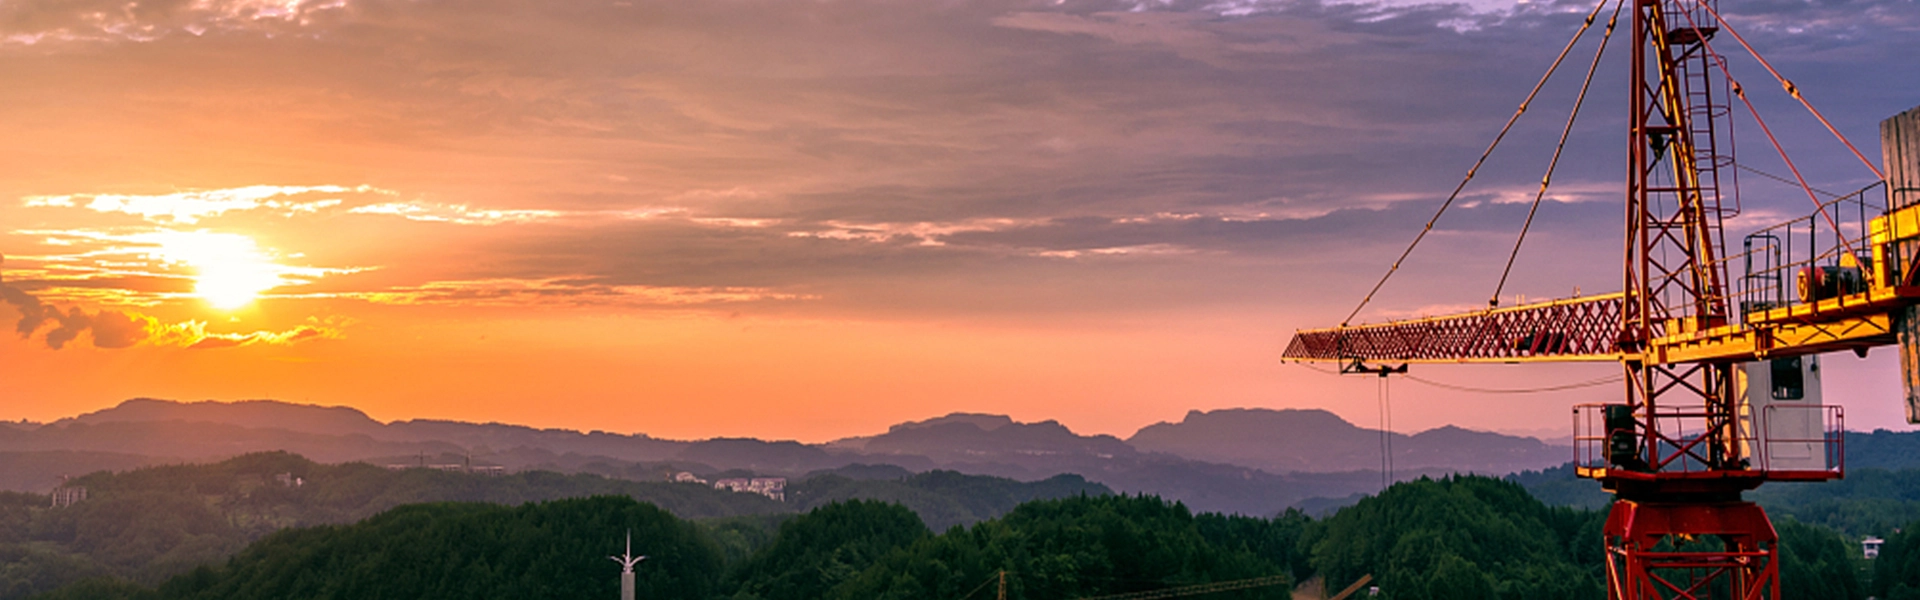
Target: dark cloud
(32, 312)
(976, 155)
(110, 329)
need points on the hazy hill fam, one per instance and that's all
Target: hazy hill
(1882, 449)
(348, 422)
(785, 457)
(1236, 461)
(256, 414)
(41, 471)
(996, 445)
(176, 441)
(963, 438)
(1318, 441)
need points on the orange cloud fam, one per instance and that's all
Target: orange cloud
(115, 329)
(191, 206)
(193, 335)
(455, 213)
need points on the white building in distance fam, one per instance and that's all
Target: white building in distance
(68, 495)
(771, 487)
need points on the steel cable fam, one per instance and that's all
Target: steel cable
(1483, 159)
(1741, 93)
(1785, 84)
(1554, 163)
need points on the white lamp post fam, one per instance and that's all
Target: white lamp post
(627, 561)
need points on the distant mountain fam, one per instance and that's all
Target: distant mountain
(760, 456)
(996, 445)
(970, 439)
(255, 414)
(274, 415)
(177, 441)
(1237, 461)
(1318, 441)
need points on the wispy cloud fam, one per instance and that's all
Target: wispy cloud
(565, 292)
(1141, 250)
(923, 233)
(40, 21)
(456, 213)
(190, 207)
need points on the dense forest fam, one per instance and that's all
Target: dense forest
(275, 525)
(1868, 502)
(148, 525)
(1457, 537)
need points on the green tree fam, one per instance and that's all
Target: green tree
(1430, 539)
(1815, 564)
(1073, 547)
(541, 550)
(826, 547)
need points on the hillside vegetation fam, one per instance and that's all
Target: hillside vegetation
(1459, 537)
(150, 524)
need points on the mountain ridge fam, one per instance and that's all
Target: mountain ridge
(1330, 457)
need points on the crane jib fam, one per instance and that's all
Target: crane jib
(1590, 328)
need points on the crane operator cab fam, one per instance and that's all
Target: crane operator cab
(1782, 420)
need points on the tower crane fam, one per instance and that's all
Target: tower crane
(1719, 348)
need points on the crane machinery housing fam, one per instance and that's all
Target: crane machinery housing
(1719, 348)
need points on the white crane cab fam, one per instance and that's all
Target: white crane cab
(1782, 419)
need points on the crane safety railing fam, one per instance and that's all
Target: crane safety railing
(1808, 259)
(1777, 440)
(1785, 445)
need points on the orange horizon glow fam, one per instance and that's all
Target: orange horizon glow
(810, 220)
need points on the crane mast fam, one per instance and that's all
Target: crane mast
(1707, 365)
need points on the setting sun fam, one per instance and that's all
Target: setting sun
(232, 271)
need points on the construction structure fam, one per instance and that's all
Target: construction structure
(627, 561)
(1719, 346)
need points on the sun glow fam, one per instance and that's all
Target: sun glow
(232, 271)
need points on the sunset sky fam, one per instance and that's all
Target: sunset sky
(809, 219)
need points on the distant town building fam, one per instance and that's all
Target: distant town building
(771, 487)
(686, 477)
(288, 480)
(67, 495)
(465, 466)
(1870, 547)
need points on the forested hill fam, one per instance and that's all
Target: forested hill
(1868, 502)
(1465, 537)
(149, 524)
